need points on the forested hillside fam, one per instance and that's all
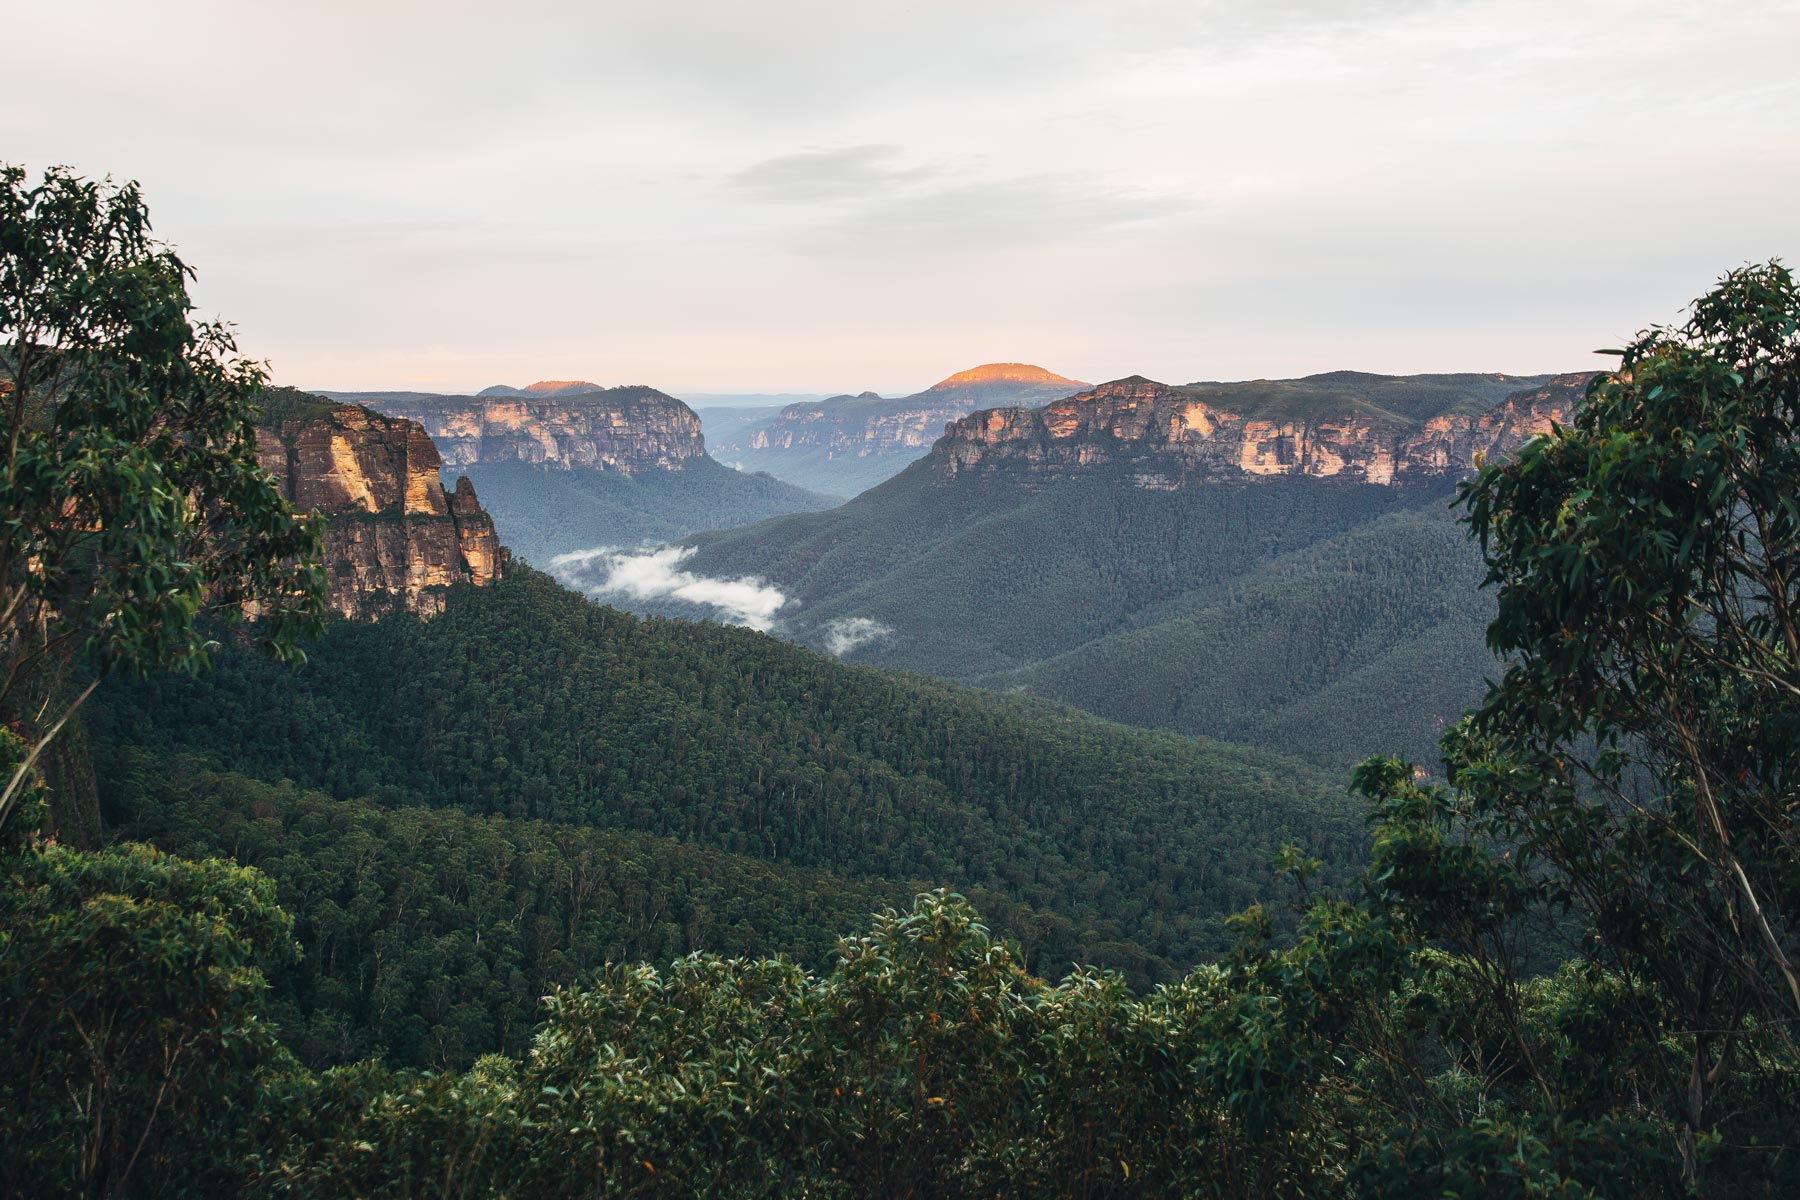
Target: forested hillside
(431, 934)
(528, 701)
(1070, 589)
(430, 822)
(1375, 637)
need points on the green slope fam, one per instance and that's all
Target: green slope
(528, 701)
(987, 575)
(541, 513)
(1311, 616)
(1372, 639)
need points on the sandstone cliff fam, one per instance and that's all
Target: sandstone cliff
(1328, 426)
(393, 538)
(626, 429)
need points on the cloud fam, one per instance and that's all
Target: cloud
(656, 575)
(862, 197)
(995, 213)
(848, 633)
(825, 174)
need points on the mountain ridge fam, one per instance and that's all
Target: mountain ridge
(577, 470)
(1184, 434)
(1100, 545)
(846, 444)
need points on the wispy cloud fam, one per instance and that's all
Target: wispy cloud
(826, 174)
(643, 575)
(849, 633)
(866, 196)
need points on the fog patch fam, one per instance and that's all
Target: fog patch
(847, 633)
(657, 575)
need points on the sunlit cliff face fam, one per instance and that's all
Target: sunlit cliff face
(1181, 438)
(392, 537)
(620, 429)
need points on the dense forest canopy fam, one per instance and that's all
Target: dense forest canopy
(528, 701)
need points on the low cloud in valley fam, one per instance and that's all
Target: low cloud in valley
(850, 633)
(655, 574)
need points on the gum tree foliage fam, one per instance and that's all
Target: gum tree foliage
(1641, 755)
(130, 498)
(925, 1062)
(133, 987)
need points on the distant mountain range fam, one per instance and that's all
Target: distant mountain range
(844, 445)
(1270, 562)
(568, 466)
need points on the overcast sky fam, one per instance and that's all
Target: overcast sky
(854, 194)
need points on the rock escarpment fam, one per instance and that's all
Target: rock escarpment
(1366, 429)
(626, 429)
(393, 538)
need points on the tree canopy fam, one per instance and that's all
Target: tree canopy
(130, 498)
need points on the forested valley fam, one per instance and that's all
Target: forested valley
(1263, 612)
(515, 895)
(527, 701)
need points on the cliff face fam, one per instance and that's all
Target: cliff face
(625, 429)
(392, 538)
(856, 426)
(870, 425)
(1177, 435)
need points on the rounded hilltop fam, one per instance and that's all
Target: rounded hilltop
(543, 387)
(1010, 372)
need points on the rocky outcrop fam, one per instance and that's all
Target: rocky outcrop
(1171, 436)
(626, 429)
(393, 538)
(869, 425)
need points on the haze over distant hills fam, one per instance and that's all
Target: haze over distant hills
(1271, 562)
(843, 445)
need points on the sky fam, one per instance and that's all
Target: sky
(840, 196)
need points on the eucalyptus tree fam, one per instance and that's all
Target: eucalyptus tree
(1640, 757)
(131, 502)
